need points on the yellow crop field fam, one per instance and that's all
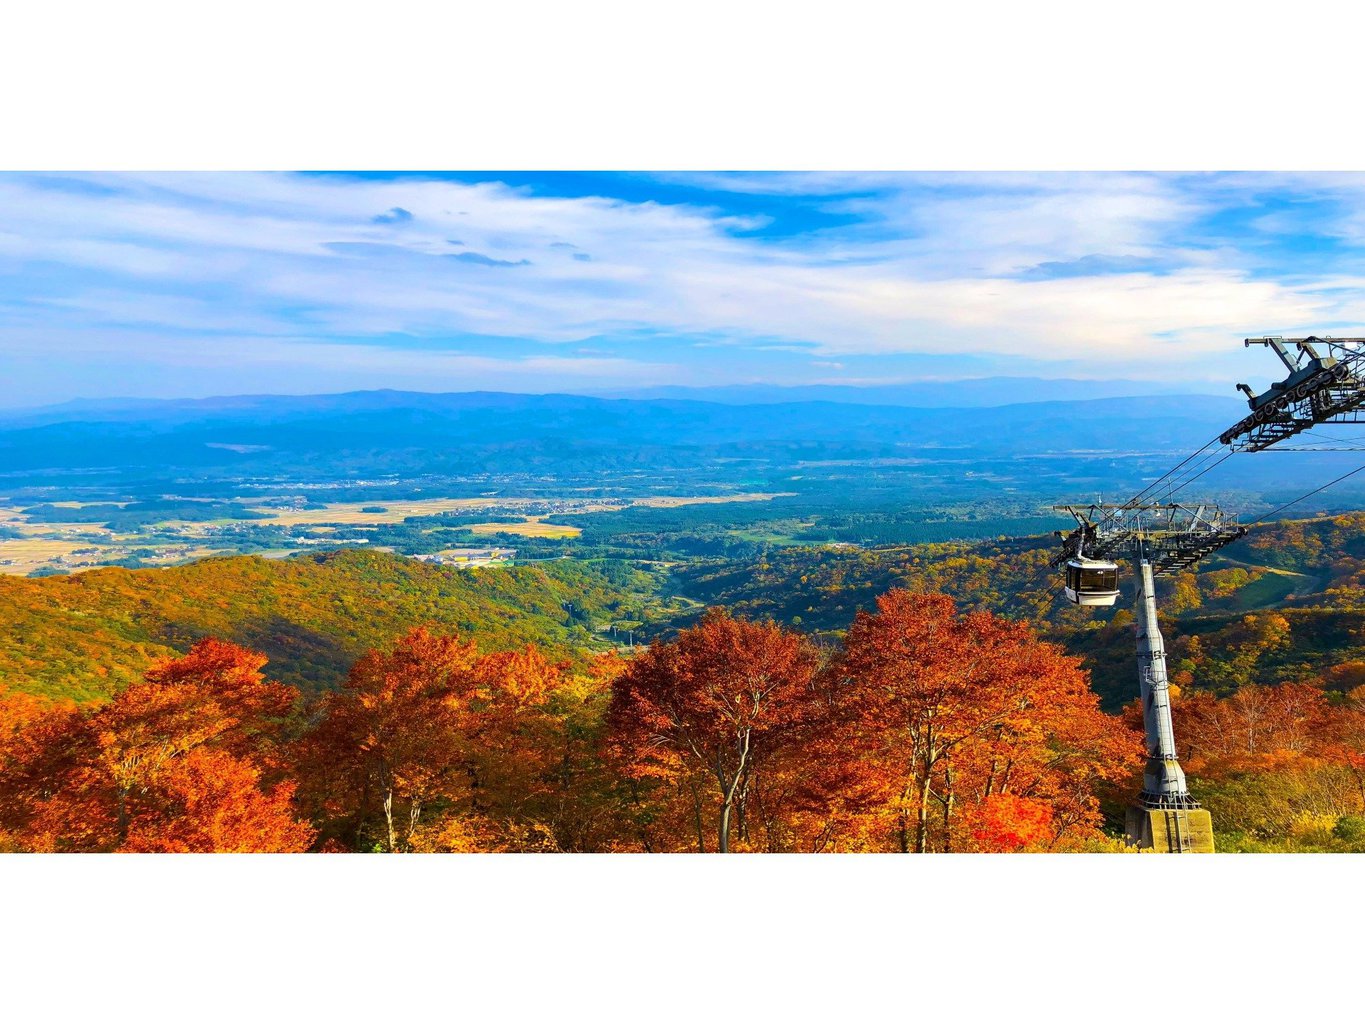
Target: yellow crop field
(24, 555)
(349, 512)
(38, 529)
(721, 499)
(532, 527)
(42, 543)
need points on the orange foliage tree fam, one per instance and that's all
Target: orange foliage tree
(387, 743)
(433, 746)
(955, 711)
(1268, 759)
(188, 760)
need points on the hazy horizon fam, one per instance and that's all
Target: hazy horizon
(1102, 388)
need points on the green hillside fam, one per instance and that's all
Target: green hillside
(88, 635)
(1282, 605)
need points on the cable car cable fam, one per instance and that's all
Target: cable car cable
(1178, 481)
(1316, 490)
(1155, 484)
(1135, 499)
(1191, 479)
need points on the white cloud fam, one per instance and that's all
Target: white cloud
(288, 263)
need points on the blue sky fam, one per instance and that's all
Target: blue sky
(192, 284)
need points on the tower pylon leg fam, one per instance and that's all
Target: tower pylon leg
(1167, 818)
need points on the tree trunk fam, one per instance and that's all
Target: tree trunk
(948, 815)
(414, 815)
(122, 815)
(922, 824)
(903, 816)
(728, 792)
(388, 820)
(742, 811)
(696, 813)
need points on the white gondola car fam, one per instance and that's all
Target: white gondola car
(1091, 581)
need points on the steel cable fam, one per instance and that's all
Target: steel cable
(1155, 484)
(1198, 469)
(1316, 490)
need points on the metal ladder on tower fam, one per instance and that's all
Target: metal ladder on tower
(1177, 838)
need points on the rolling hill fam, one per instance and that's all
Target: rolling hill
(86, 636)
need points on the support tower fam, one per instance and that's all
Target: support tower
(1157, 539)
(1166, 817)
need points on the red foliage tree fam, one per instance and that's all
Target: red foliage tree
(717, 703)
(1006, 823)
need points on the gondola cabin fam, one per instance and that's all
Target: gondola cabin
(1091, 581)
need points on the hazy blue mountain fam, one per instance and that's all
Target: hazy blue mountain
(249, 428)
(559, 443)
(970, 393)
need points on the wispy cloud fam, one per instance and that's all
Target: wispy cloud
(1099, 273)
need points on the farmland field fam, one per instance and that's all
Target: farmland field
(353, 513)
(40, 539)
(534, 526)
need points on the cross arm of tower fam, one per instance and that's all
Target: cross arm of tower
(1325, 384)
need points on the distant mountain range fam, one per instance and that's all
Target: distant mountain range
(972, 393)
(510, 440)
(189, 431)
(926, 394)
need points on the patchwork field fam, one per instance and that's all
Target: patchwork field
(31, 544)
(20, 556)
(354, 513)
(532, 527)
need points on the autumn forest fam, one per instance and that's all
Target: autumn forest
(927, 730)
(923, 727)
